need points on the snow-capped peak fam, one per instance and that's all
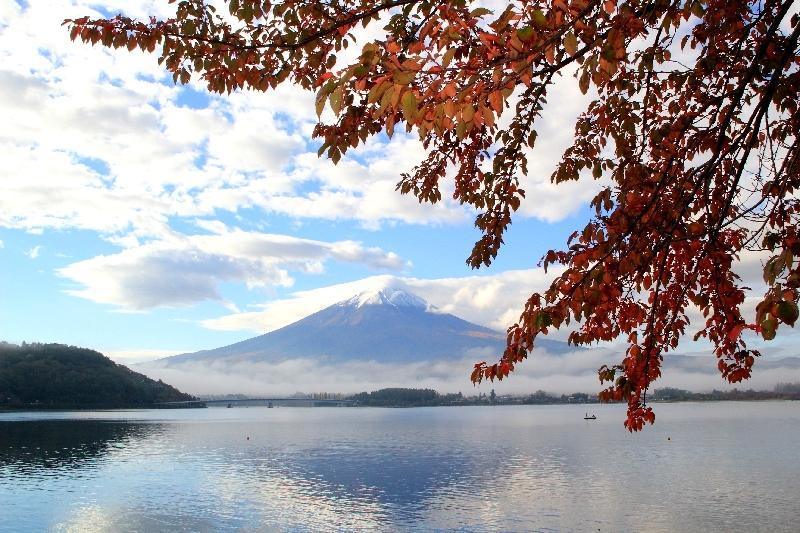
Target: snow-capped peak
(392, 297)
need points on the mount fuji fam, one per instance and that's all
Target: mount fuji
(389, 325)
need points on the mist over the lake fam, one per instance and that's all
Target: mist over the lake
(560, 374)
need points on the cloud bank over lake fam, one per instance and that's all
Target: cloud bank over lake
(560, 374)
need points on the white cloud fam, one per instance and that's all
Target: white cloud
(180, 270)
(111, 148)
(558, 374)
(545, 200)
(53, 190)
(134, 356)
(33, 253)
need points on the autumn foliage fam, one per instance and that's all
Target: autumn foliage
(692, 130)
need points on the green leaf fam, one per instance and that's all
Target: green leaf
(467, 112)
(543, 320)
(386, 99)
(773, 268)
(525, 33)
(337, 99)
(461, 130)
(320, 103)
(448, 57)
(788, 312)
(403, 77)
(698, 10)
(409, 103)
(376, 92)
(539, 19)
(583, 82)
(570, 43)
(247, 13)
(768, 327)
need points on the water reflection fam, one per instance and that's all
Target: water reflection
(474, 469)
(28, 447)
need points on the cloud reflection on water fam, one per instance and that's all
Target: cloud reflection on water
(470, 468)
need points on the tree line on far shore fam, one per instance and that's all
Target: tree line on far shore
(410, 397)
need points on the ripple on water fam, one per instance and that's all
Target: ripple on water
(530, 468)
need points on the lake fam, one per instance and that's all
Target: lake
(703, 467)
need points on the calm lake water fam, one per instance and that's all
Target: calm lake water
(725, 467)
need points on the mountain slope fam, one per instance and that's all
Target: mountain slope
(55, 375)
(389, 325)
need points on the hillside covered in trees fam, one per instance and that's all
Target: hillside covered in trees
(60, 376)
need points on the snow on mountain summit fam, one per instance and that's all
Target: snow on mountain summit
(386, 296)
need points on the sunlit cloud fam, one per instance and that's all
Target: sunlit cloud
(34, 252)
(556, 374)
(133, 150)
(182, 270)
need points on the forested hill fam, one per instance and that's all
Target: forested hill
(60, 376)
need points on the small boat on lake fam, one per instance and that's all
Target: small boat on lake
(587, 417)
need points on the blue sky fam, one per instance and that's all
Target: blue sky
(144, 219)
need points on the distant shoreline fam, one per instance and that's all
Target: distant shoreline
(507, 404)
(34, 409)
(400, 397)
(409, 397)
(6, 409)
